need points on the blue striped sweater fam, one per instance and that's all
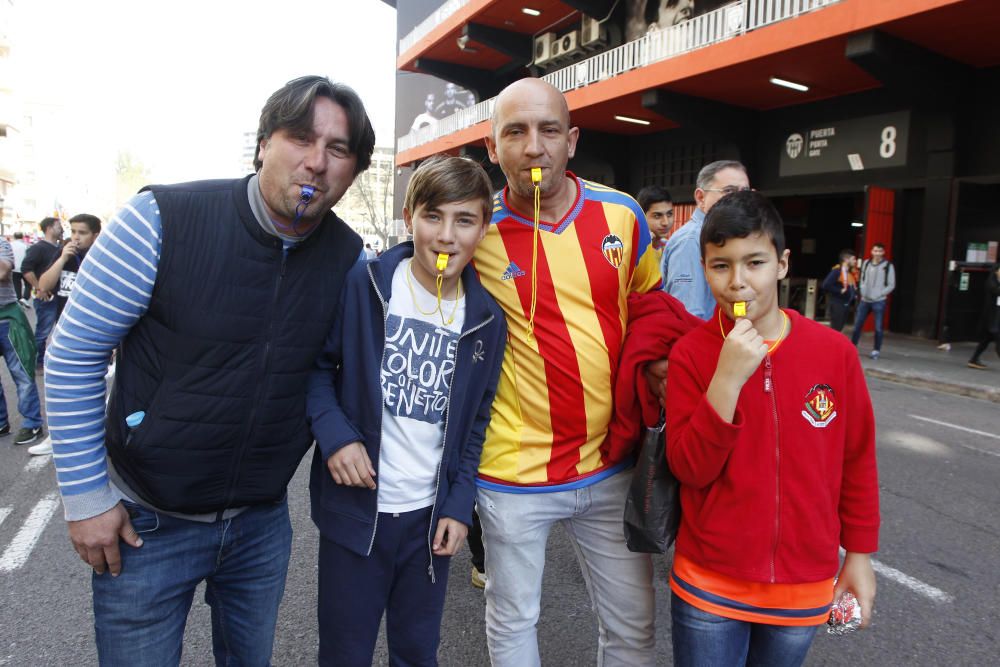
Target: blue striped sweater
(112, 291)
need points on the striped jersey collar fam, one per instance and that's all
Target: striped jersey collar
(506, 211)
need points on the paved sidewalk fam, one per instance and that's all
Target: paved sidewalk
(918, 362)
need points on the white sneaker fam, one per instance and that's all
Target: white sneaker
(41, 449)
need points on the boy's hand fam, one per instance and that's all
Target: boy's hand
(449, 536)
(351, 466)
(70, 249)
(858, 577)
(656, 378)
(741, 353)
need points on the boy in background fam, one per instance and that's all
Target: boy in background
(656, 203)
(878, 280)
(841, 287)
(399, 404)
(772, 436)
(60, 277)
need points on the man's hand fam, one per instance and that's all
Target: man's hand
(858, 577)
(656, 378)
(741, 353)
(449, 537)
(96, 539)
(351, 466)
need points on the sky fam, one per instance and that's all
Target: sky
(177, 84)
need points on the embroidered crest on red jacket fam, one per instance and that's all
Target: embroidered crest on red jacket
(820, 407)
(613, 249)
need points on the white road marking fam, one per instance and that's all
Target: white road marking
(962, 428)
(20, 547)
(37, 463)
(913, 584)
(4, 513)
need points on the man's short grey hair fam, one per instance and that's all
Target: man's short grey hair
(708, 172)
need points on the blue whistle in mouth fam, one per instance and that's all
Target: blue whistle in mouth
(307, 193)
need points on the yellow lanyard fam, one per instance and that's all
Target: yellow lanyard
(439, 281)
(536, 178)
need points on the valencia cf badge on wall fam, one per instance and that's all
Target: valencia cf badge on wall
(820, 408)
(613, 249)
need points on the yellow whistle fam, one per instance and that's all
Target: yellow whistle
(442, 261)
(740, 309)
(536, 175)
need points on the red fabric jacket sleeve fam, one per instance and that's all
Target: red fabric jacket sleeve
(699, 441)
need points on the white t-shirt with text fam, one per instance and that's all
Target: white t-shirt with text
(418, 364)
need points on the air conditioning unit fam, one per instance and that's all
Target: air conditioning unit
(543, 48)
(566, 45)
(592, 34)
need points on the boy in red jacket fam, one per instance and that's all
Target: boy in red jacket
(772, 436)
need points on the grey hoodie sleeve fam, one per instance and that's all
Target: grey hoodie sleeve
(885, 283)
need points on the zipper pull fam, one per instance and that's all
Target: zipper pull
(767, 375)
(430, 572)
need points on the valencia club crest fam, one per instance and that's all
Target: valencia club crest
(820, 408)
(613, 249)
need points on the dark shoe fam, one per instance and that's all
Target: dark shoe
(5, 429)
(977, 365)
(26, 436)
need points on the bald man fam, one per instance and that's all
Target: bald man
(561, 269)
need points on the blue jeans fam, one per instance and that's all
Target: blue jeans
(139, 616)
(46, 313)
(515, 531)
(702, 639)
(27, 391)
(877, 308)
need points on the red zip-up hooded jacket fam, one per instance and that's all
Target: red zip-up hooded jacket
(770, 497)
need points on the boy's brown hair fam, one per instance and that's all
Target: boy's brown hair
(444, 179)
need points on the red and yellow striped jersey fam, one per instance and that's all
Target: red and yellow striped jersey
(553, 402)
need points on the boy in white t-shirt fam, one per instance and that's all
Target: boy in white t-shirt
(399, 404)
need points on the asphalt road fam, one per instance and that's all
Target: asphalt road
(938, 578)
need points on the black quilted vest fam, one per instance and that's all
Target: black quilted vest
(219, 362)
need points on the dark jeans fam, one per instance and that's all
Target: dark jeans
(984, 342)
(21, 288)
(355, 591)
(702, 639)
(877, 309)
(140, 615)
(46, 313)
(475, 540)
(838, 314)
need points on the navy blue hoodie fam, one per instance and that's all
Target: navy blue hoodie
(344, 401)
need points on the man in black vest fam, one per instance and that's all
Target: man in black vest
(184, 479)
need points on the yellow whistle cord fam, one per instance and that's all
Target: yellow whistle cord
(439, 281)
(536, 177)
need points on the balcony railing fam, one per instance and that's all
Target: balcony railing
(710, 28)
(425, 26)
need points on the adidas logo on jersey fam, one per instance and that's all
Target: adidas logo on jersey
(513, 271)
